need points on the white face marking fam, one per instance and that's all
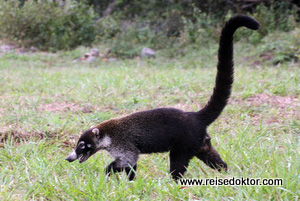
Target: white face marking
(89, 145)
(81, 145)
(104, 143)
(73, 156)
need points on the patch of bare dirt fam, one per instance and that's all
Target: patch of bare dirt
(12, 48)
(8, 48)
(64, 107)
(17, 135)
(4, 129)
(274, 101)
(280, 108)
(2, 112)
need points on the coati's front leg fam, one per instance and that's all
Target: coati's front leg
(125, 160)
(179, 162)
(210, 156)
(115, 167)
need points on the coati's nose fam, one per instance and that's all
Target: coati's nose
(69, 159)
(72, 157)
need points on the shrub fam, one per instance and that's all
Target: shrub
(282, 47)
(200, 28)
(107, 28)
(130, 42)
(46, 25)
(127, 38)
(276, 17)
(171, 26)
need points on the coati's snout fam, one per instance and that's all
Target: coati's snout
(85, 147)
(82, 152)
(72, 157)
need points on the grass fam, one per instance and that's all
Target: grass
(47, 100)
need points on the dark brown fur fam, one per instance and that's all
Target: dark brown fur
(166, 129)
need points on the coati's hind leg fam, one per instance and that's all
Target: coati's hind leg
(114, 167)
(179, 162)
(210, 156)
(130, 171)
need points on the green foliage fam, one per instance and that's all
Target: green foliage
(178, 26)
(159, 30)
(129, 43)
(107, 28)
(277, 16)
(203, 27)
(127, 39)
(168, 25)
(46, 25)
(282, 47)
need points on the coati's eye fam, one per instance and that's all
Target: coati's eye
(81, 145)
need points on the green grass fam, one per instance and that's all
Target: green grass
(42, 101)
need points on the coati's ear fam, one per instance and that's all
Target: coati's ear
(96, 132)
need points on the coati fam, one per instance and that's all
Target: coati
(184, 134)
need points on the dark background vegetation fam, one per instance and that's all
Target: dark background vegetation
(126, 26)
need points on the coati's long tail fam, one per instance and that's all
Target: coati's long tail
(225, 71)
